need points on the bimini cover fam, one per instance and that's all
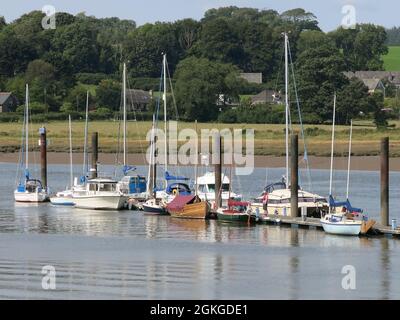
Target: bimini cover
(346, 204)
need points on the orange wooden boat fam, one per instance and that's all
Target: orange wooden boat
(188, 207)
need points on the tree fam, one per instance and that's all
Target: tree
(393, 36)
(144, 47)
(302, 19)
(187, 33)
(320, 74)
(220, 41)
(76, 45)
(380, 116)
(39, 69)
(14, 54)
(108, 94)
(352, 100)
(200, 83)
(312, 39)
(362, 47)
(2, 22)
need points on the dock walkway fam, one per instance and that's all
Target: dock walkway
(315, 223)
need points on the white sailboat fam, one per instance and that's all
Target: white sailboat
(275, 198)
(133, 186)
(153, 205)
(30, 190)
(347, 221)
(65, 197)
(173, 185)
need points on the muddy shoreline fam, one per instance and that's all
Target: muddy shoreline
(366, 163)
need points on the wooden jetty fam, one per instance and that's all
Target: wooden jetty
(314, 223)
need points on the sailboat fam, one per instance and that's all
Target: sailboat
(133, 186)
(65, 198)
(275, 198)
(349, 220)
(173, 185)
(153, 205)
(29, 190)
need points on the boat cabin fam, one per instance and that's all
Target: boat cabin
(274, 186)
(31, 186)
(206, 183)
(133, 184)
(102, 185)
(178, 188)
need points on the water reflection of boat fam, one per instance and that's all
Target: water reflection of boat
(190, 224)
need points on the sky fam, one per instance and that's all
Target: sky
(328, 12)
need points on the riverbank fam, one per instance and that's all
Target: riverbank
(269, 139)
(364, 163)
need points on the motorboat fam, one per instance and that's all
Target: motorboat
(275, 199)
(205, 185)
(99, 194)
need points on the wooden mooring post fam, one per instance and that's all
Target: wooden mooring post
(294, 176)
(43, 156)
(95, 155)
(385, 181)
(217, 159)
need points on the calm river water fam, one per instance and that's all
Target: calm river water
(126, 255)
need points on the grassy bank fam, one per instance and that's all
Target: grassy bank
(392, 59)
(269, 138)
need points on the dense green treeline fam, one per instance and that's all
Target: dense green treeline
(85, 53)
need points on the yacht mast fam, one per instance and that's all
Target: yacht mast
(165, 113)
(70, 152)
(349, 163)
(27, 127)
(124, 97)
(287, 107)
(85, 162)
(333, 141)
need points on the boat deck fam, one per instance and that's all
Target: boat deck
(316, 224)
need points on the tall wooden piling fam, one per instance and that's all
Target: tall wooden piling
(95, 154)
(294, 176)
(217, 158)
(385, 181)
(43, 156)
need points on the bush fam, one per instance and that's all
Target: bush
(93, 78)
(34, 108)
(255, 114)
(146, 84)
(10, 117)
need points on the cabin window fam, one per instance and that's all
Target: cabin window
(92, 187)
(225, 187)
(107, 187)
(202, 188)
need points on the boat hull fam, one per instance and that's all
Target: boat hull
(99, 202)
(197, 210)
(150, 210)
(31, 196)
(236, 217)
(62, 201)
(345, 229)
